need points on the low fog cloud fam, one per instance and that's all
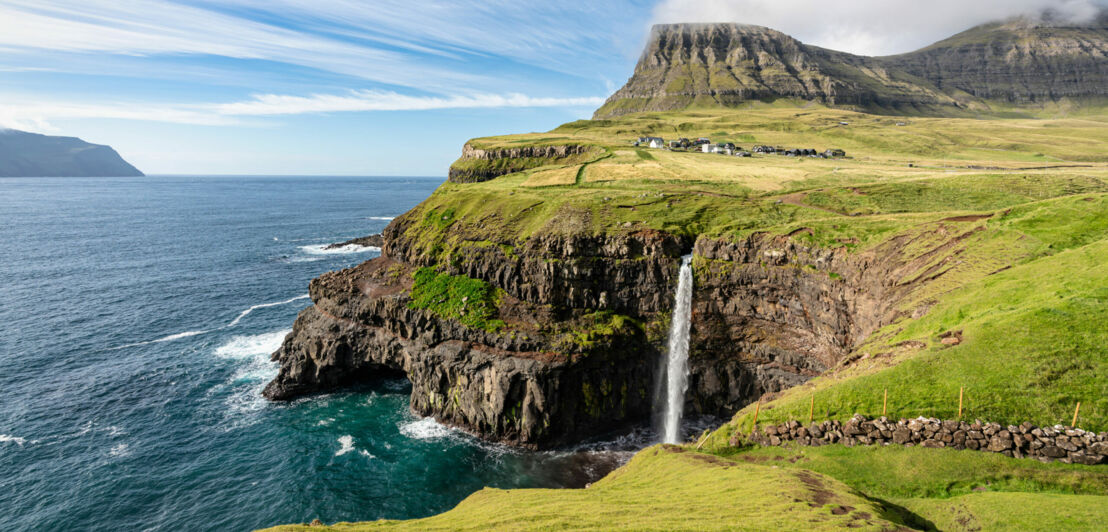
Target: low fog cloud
(871, 27)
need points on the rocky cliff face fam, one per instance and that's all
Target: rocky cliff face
(1017, 62)
(727, 64)
(585, 319)
(536, 383)
(477, 165)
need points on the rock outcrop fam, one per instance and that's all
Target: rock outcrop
(584, 319)
(372, 241)
(534, 384)
(1047, 444)
(476, 164)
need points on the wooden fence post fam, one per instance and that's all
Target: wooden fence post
(757, 407)
(961, 391)
(885, 403)
(812, 409)
(1075, 411)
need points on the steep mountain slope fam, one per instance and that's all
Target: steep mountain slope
(1021, 61)
(1016, 62)
(25, 154)
(725, 64)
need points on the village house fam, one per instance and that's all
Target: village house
(716, 148)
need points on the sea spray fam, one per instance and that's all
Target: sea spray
(676, 370)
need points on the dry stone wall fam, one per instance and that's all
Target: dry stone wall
(1047, 444)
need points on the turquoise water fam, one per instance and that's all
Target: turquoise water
(137, 318)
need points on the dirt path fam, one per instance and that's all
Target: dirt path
(798, 198)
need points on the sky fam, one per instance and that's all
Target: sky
(377, 87)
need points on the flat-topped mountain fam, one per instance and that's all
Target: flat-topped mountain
(1019, 62)
(25, 154)
(687, 65)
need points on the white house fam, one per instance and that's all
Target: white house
(656, 142)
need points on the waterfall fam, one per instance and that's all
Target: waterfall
(675, 374)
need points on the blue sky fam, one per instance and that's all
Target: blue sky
(380, 87)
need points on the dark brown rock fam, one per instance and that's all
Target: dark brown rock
(999, 444)
(1052, 452)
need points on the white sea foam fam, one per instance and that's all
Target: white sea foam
(121, 449)
(169, 338)
(366, 454)
(4, 438)
(349, 249)
(425, 429)
(346, 444)
(246, 312)
(255, 370)
(252, 346)
(384, 218)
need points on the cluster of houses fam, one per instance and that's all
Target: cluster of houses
(705, 145)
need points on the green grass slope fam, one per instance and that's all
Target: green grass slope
(668, 488)
(663, 488)
(1005, 224)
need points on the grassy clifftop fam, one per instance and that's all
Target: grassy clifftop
(1012, 217)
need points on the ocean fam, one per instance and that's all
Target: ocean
(137, 318)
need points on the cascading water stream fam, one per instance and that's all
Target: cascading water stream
(676, 365)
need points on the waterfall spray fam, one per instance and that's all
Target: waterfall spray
(676, 367)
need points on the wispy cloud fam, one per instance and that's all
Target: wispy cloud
(155, 27)
(872, 27)
(434, 45)
(39, 116)
(276, 104)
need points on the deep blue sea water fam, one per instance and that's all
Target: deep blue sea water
(137, 317)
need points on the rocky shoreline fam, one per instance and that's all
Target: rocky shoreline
(371, 241)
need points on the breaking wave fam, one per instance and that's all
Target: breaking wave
(349, 249)
(256, 368)
(169, 338)
(425, 429)
(246, 312)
